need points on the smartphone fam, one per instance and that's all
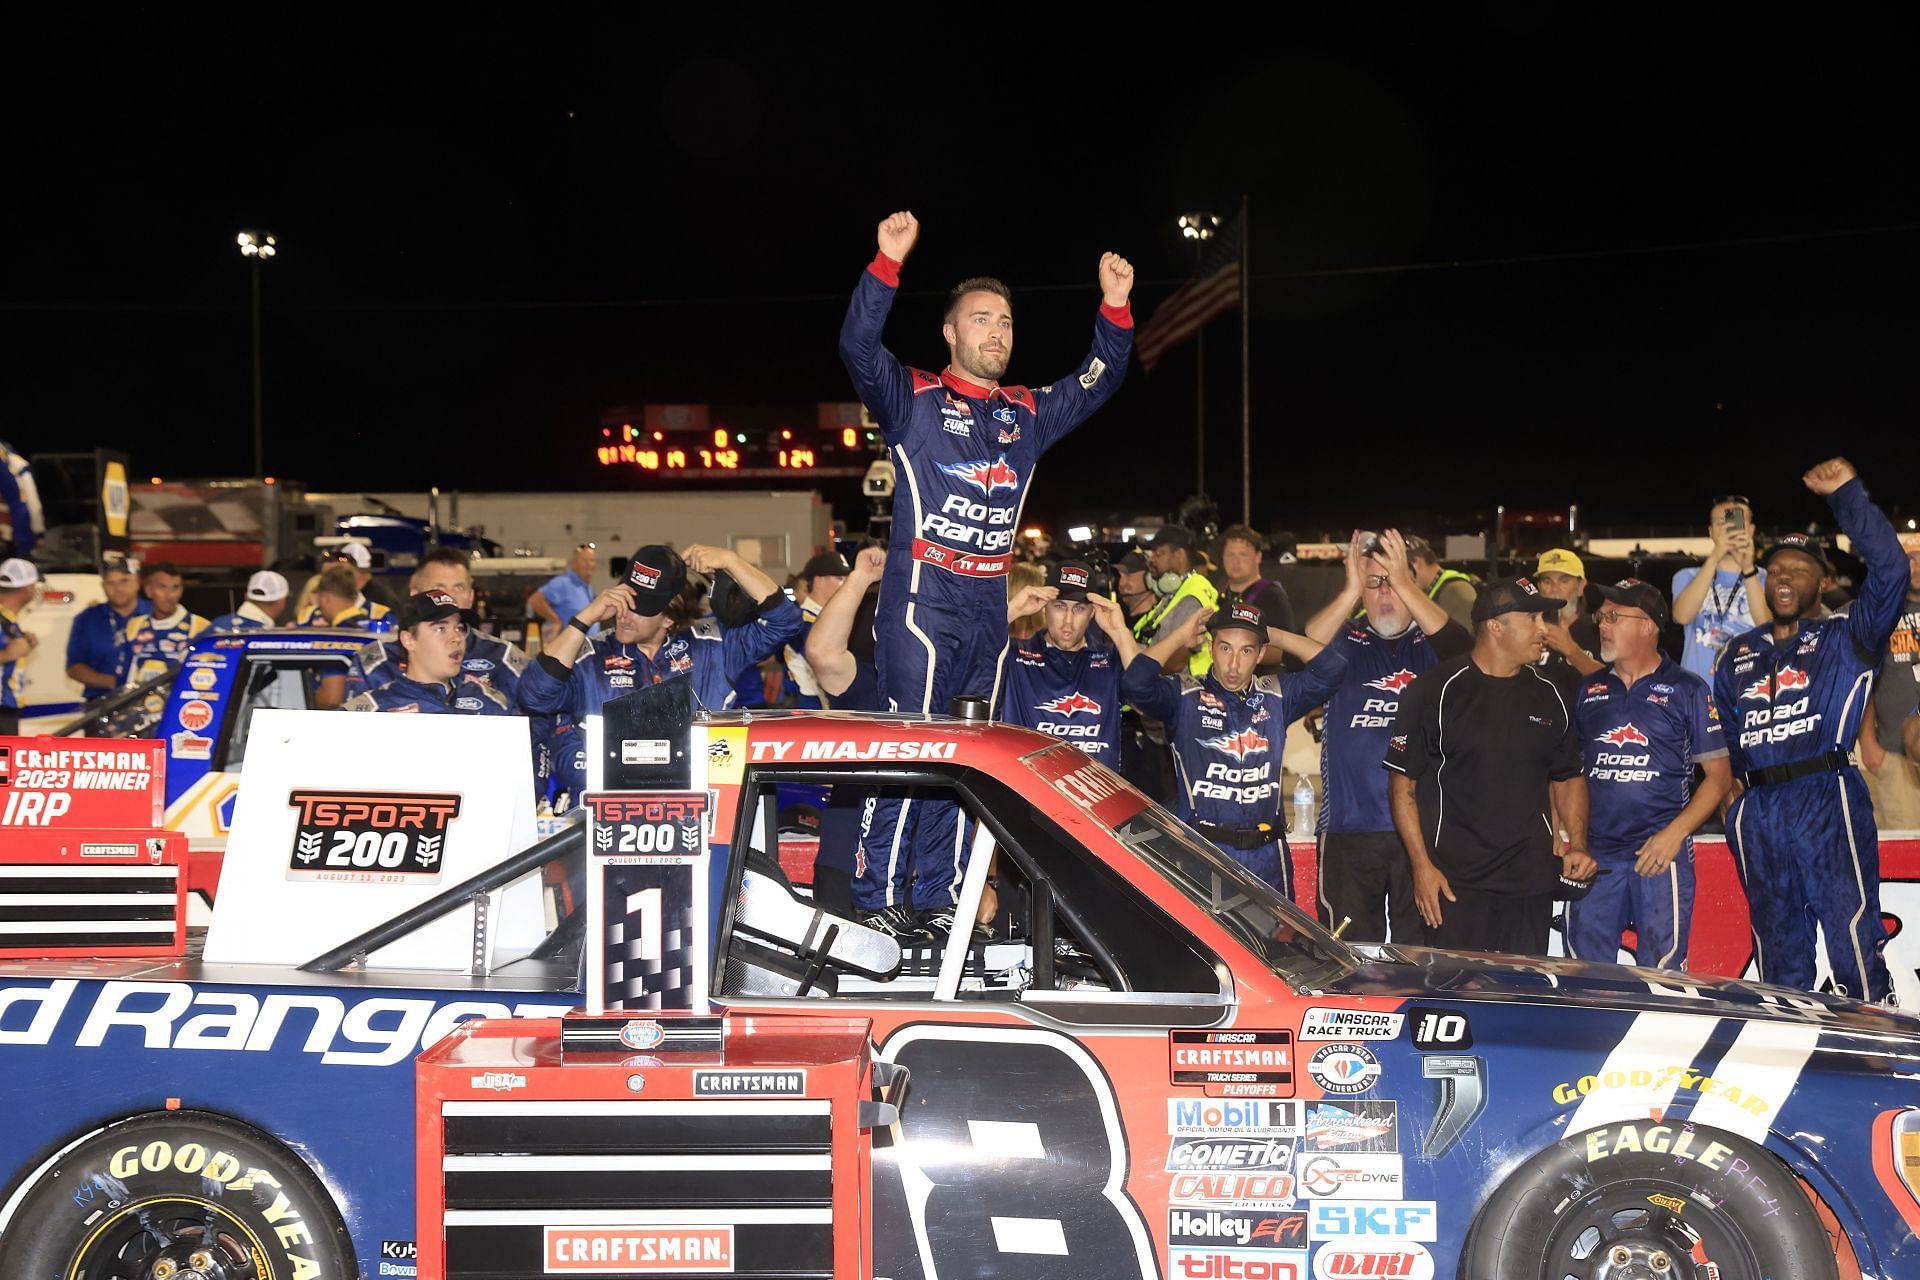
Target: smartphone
(1736, 517)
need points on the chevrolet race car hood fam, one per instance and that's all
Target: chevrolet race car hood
(1418, 973)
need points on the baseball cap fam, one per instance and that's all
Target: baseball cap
(1567, 889)
(1803, 543)
(120, 564)
(1171, 535)
(1636, 594)
(355, 554)
(656, 574)
(1132, 562)
(431, 606)
(16, 573)
(1511, 595)
(828, 564)
(1072, 578)
(266, 586)
(1242, 615)
(1560, 560)
(729, 602)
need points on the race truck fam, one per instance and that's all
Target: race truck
(1147, 1063)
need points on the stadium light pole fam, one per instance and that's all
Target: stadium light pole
(1199, 228)
(257, 247)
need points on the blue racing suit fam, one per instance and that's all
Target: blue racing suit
(963, 456)
(490, 661)
(1802, 833)
(21, 499)
(710, 655)
(1227, 748)
(1075, 696)
(99, 638)
(1640, 745)
(462, 698)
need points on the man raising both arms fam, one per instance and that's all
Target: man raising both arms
(964, 447)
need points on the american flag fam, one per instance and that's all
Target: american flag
(1215, 287)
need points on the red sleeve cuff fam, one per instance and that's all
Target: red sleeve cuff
(1121, 315)
(885, 270)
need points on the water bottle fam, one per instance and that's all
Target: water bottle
(1303, 807)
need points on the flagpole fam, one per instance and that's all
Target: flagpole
(1246, 377)
(1200, 411)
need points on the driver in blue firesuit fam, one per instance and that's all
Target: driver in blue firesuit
(1793, 690)
(1228, 729)
(433, 635)
(654, 637)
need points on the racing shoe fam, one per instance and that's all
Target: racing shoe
(899, 923)
(940, 925)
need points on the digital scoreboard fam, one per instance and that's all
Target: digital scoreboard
(709, 442)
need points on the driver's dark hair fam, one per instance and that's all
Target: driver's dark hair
(976, 284)
(451, 556)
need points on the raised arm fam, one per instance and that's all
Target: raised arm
(1871, 619)
(1072, 398)
(1112, 619)
(1326, 624)
(882, 384)
(834, 665)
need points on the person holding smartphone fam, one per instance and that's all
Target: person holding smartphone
(1726, 594)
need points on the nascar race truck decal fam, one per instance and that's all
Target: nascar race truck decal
(1142, 1063)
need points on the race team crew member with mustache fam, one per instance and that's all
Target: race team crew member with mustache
(1229, 727)
(654, 638)
(1065, 681)
(964, 447)
(1793, 691)
(1643, 722)
(1363, 872)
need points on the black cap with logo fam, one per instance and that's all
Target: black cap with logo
(431, 606)
(656, 574)
(1635, 594)
(1241, 615)
(1805, 545)
(1511, 595)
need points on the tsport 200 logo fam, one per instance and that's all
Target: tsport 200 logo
(370, 835)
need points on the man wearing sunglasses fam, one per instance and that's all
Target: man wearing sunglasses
(1726, 594)
(1643, 722)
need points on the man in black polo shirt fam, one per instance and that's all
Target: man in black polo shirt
(1483, 752)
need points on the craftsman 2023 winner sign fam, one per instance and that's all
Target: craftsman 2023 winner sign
(647, 900)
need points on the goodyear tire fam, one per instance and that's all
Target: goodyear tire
(1641, 1198)
(201, 1191)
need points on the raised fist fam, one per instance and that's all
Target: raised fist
(1116, 279)
(1829, 475)
(870, 562)
(898, 231)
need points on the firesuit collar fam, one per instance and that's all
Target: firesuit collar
(966, 386)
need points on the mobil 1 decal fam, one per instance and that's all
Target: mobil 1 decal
(1229, 1064)
(1351, 1124)
(646, 900)
(1009, 1159)
(370, 837)
(1232, 1117)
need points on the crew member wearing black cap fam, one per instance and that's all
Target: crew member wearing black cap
(433, 631)
(1228, 728)
(654, 638)
(1486, 867)
(1644, 721)
(1793, 690)
(1065, 681)
(820, 580)
(1182, 590)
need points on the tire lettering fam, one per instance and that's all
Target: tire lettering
(193, 1160)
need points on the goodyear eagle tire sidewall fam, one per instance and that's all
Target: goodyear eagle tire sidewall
(1759, 1198)
(255, 1184)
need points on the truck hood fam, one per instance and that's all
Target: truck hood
(1422, 973)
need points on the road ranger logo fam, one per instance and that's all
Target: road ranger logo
(1625, 735)
(1784, 680)
(988, 477)
(1238, 745)
(1071, 704)
(370, 836)
(1393, 683)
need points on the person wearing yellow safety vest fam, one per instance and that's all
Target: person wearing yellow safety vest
(1182, 591)
(1448, 588)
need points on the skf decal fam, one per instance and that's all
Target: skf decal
(370, 836)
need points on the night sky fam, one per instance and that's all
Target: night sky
(491, 232)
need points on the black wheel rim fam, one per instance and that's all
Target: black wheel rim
(1648, 1230)
(170, 1238)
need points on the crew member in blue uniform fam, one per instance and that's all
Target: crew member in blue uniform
(265, 605)
(1363, 871)
(99, 632)
(1801, 825)
(162, 637)
(19, 503)
(489, 660)
(1065, 679)
(19, 584)
(1644, 721)
(1228, 729)
(654, 638)
(433, 631)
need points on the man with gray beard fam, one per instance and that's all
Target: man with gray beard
(1398, 633)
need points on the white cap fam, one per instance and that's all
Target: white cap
(266, 586)
(355, 553)
(17, 573)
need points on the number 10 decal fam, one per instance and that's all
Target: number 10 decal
(1009, 1160)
